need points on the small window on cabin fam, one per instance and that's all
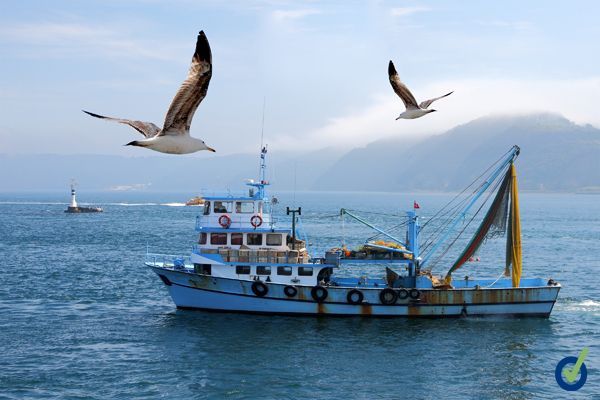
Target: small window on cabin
(218, 238)
(254, 239)
(237, 239)
(206, 208)
(260, 208)
(287, 271)
(274, 239)
(202, 239)
(244, 207)
(262, 270)
(222, 207)
(305, 271)
(242, 269)
(203, 269)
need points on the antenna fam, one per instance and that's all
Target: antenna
(262, 129)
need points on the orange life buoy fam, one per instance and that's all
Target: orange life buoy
(256, 221)
(225, 221)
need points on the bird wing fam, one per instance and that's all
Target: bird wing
(400, 88)
(148, 129)
(427, 103)
(192, 91)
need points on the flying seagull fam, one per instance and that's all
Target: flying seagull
(413, 110)
(174, 137)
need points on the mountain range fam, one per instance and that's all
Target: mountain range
(557, 155)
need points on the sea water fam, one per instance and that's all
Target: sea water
(82, 317)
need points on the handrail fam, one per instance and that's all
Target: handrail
(362, 221)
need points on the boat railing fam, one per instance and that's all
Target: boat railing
(261, 255)
(236, 221)
(174, 261)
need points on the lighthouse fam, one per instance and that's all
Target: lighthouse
(74, 208)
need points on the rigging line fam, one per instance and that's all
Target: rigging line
(447, 249)
(454, 210)
(377, 213)
(440, 229)
(494, 188)
(465, 189)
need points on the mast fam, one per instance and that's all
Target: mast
(413, 242)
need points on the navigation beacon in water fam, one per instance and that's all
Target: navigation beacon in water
(243, 262)
(74, 208)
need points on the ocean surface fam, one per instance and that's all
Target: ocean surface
(81, 317)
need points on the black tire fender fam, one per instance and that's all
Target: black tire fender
(259, 288)
(355, 296)
(388, 296)
(290, 291)
(319, 293)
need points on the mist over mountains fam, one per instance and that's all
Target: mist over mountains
(556, 155)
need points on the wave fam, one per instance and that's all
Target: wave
(173, 204)
(133, 204)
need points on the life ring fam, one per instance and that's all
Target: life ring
(388, 296)
(403, 294)
(259, 288)
(256, 221)
(225, 221)
(290, 291)
(355, 296)
(414, 294)
(319, 293)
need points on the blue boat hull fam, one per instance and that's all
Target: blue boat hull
(193, 291)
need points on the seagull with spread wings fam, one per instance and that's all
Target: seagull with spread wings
(413, 110)
(174, 137)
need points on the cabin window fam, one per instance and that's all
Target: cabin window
(260, 208)
(287, 271)
(244, 207)
(254, 239)
(218, 238)
(242, 269)
(237, 238)
(202, 239)
(222, 207)
(274, 239)
(204, 269)
(206, 207)
(262, 270)
(305, 271)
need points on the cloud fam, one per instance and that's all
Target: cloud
(473, 98)
(404, 11)
(282, 15)
(78, 40)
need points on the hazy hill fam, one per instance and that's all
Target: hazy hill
(557, 155)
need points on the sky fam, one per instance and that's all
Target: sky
(319, 68)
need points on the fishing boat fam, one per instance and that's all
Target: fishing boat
(244, 262)
(195, 201)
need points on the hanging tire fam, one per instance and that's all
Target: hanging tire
(414, 294)
(403, 294)
(355, 296)
(290, 291)
(387, 296)
(259, 288)
(319, 294)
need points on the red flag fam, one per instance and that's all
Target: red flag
(416, 205)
